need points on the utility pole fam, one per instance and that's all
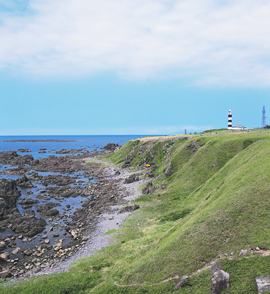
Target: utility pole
(263, 118)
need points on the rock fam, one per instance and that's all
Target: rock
(74, 234)
(55, 234)
(27, 252)
(9, 192)
(15, 251)
(5, 274)
(129, 208)
(243, 252)
(2, 245)
(4, 256)
(111, 217)
(162, 186)
(168, 170)
(257, 248)
(131, 179)
(179, 283)
(148, 189)
(216, 267)
(47, 241)
(24, 182)
(44, 236)
(111, 147)
(220, 281)
(263, 284)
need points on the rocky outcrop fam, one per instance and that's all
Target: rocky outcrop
(111, 147)
(168, 170)
(220, 280)
(148, 189)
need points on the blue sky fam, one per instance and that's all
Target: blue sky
(132, 67)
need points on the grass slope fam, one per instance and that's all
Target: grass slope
(216, 201)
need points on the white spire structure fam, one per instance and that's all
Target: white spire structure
(230, 120)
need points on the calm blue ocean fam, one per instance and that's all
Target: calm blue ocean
(88, 142)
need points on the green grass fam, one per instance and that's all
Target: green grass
(217, 201)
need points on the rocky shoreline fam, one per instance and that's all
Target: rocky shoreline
(44, 231)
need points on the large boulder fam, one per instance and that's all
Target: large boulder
(220, 281)
(9, 192)
(263, 284)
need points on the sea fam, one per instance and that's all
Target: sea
(90, 142)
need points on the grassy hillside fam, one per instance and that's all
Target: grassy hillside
(216, 201)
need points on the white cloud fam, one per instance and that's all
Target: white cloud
(210, 42)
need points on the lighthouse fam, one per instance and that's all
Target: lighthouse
(230, 120)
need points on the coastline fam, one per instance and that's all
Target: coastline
(108, 220)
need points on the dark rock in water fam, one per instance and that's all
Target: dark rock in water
(9, 192)
(180, 282)
(12, 158)
(27, 225)
(220, 281)
(23, 150)
(24, 181)
(27, 252)
(129, 208)
(28, 201)
(111, 146)
(131, 179)
(263, 284)
(52, 212)
(47, 209)
(148, 189)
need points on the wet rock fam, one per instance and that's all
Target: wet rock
(2, 245)
(9, 192)
(28, 201)
(5, 274)
(129, 208)
(4, 256)
(24, 182)
(47, 241)
(27, 252)
(263, 284)
(55, 234)
(28, 225)
(15, 251)
(220, 281)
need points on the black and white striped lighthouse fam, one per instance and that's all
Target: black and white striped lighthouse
(230, 120)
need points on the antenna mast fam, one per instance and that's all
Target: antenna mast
(263, 118)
